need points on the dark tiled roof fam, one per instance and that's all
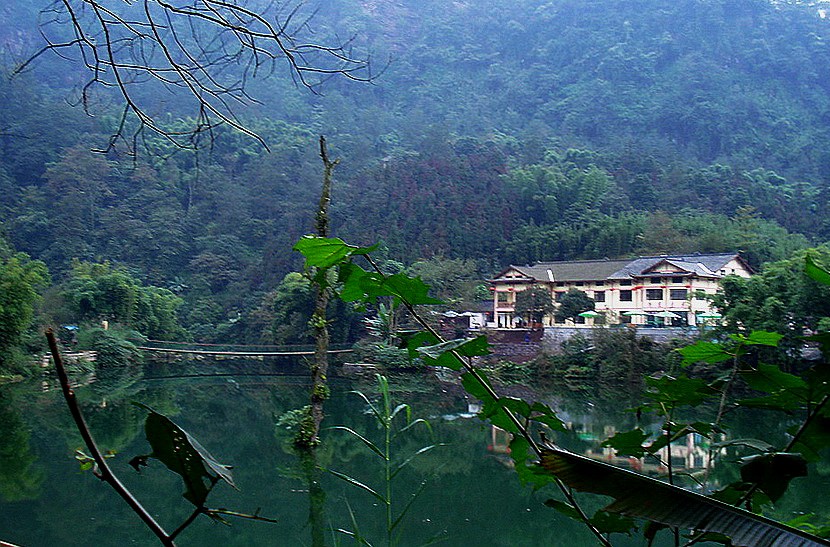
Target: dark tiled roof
(700, 265)
(577, 270)
(597, 270)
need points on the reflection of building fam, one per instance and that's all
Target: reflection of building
(651, 291)
(689, 454)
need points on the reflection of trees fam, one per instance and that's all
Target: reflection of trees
(20, 479)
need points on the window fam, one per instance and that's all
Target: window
(560, 284)
(600, 283)
(678, 294)
(625, 296)
(625, 283)
(654, 294)
(599, 296)
(580, 283)
(655, 280)
(502, 297)
(677, 280)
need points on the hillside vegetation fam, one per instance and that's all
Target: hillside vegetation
(499, 133)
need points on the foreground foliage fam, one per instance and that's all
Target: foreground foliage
(766, 469)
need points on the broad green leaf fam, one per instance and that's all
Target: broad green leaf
(565, 508)
(514, 405)
(612, 523)
(416, 340)
(753, 444)
(497, 415)
(763, 338)
(520, 453)
(783, 401)
(474, 387)
(706, 352)
(628, 443)
(816, 272)
(442, 354)
(322, 252)
(356, 284)
(409, 289)
(786, 391)
(773, 472)
(638, 496)
(823, 340)
(183, 455)
(803, 522)
(678, 391)
(814, 439)
(543, 414)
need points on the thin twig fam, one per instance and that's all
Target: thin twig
(106, 473)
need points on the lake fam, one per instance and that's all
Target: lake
(471, 495)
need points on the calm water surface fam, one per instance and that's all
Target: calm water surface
(471, 495)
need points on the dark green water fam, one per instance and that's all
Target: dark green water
(471, 496)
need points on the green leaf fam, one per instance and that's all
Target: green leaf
(763, 338)
(678, 391)
(705, 352)
(611, 523)
(497, 415)
(752, 444)
(787, 391)
(357, 484)
(770, 378)
(814, 439)
(356, 284)
(638, 496)
(543, 414)
(565, 508)
(442, 354)
(516, 406)
(183, 455)
(474, 385)
(773, 472)
(369, 444)
(409, 289)
(418, 339)
(407, 461)
(816, 272)
(628, 443)
(322, 252)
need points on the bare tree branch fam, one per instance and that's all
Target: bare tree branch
(206, 49)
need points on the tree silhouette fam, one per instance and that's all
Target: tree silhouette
(207, 49)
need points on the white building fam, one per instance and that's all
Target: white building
(666, 290)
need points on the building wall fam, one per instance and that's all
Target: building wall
(662, 292)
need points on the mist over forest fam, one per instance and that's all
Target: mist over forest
(494, 133)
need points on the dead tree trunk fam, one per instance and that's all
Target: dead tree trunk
(319, 368)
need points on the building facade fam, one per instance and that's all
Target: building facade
(665, 290)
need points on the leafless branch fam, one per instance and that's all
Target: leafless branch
(206, 49)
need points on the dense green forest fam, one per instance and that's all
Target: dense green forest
(498, 133)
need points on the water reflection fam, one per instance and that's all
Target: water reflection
(470, 496)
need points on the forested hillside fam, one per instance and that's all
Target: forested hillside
(499, 132)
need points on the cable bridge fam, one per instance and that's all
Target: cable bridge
(233, 350)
